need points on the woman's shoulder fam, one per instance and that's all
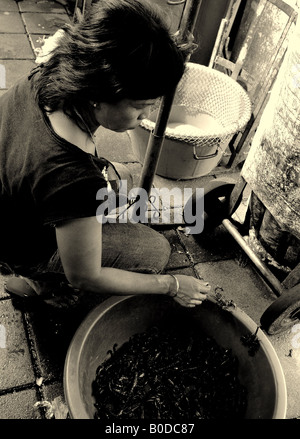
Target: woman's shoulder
(19, 90)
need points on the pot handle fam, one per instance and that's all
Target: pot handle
(203, 157)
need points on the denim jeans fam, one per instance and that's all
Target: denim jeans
(131, 247)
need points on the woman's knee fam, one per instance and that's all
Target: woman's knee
(135, 247)
(158, 251)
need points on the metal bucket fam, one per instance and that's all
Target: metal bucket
(208, 109)
(119, 318)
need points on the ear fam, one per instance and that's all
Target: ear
(94, 104)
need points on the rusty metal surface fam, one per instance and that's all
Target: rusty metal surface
(261, 52)
(272, 167)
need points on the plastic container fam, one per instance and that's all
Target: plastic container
(209, 107)
(118, 318)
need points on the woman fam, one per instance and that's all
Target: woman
(106, 71)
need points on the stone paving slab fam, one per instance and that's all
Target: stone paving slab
(51, 330)
(44, 24)
(239, 283)
(15, 360)
(19, 405)
(11, 23)
(289, 356)
(48, 341)
(135, 170)
(211, 246)
(15, 46)
(8, 6)
(16, 69)
(173, 12)
(41, 6)
(199, 182)
(116, 147)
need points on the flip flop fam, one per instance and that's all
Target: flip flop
(18, 287)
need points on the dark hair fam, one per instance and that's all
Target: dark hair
(122, 49)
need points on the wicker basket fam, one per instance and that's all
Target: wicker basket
(208, 109)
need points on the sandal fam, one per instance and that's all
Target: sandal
(18, 287)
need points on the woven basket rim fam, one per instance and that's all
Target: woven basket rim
(221, 133)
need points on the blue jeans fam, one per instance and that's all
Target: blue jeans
(131, 247)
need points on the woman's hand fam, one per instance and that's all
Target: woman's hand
(187, 290)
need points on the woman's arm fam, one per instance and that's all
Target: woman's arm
(79, 245)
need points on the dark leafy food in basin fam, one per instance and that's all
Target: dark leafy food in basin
(169, 374)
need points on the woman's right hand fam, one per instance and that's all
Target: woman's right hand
(189, 290)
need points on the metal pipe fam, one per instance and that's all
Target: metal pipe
(266, 273)
(189, 16)
(156, 138)
(155, 143)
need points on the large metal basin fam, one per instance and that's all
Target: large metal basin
(118, 318)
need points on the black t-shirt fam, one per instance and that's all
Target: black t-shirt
(43, 179)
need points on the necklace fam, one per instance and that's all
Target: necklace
(105, 168)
